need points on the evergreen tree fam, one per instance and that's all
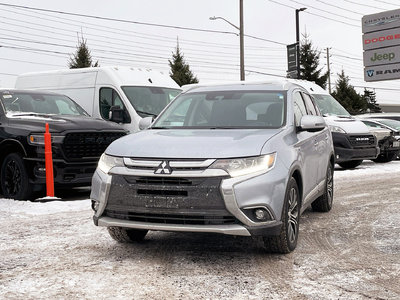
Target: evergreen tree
(345, 93)
(309, 63)
(180, 70)
(370, 97)
(82, 57)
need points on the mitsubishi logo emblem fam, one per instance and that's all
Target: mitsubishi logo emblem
(163, 168)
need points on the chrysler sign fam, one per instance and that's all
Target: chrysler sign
(381, 21)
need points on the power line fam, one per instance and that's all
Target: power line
(323, 10)
(134, 22)
(30, 62)
(386, 2)
(307, 12)
(341, 8)
(8, 74)
(362, 4)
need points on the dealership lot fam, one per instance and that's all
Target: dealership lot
(53, 250)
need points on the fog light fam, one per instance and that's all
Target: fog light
(95, 205)
(261, 214)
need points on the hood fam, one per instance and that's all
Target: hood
(348, 124)
(59, 123)
(185, 143)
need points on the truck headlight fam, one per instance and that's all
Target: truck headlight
(244, 166)
(38, 139)
(336, 129)
(107, 162)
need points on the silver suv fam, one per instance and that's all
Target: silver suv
(241, 159)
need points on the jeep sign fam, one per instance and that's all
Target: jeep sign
(382, 56)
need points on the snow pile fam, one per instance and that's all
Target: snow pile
(369, 168)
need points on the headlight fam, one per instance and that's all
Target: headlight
(244, 166)
(38, 139)
(107, 162)
(336, 129)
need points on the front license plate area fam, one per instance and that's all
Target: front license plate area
(165, 202)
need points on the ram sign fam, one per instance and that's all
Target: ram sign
(381, 44)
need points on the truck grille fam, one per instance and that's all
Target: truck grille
(362, 140)
(78, 145)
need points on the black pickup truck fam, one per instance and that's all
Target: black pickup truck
(77, 141)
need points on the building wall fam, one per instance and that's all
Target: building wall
(390, 107)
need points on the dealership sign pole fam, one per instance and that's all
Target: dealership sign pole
(381, 45)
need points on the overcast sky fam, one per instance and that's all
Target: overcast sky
(34, 40)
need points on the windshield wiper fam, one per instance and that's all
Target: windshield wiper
(29, 114)
(146, 113)
(159, 127)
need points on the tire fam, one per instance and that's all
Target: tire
(351, 164)
(286, 241)
(125, 235)
(324, 203)
(14, 178)
(386, 157)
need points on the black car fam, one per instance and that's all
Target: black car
(77, 141)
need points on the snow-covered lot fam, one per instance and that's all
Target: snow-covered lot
(52, 250)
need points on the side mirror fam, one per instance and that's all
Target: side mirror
(116, 114)
(145, 123)
(312, 123)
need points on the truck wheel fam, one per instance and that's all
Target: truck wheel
(286, 241)
(125, 235)
(324, 203)
(14, 178)
(351, 164)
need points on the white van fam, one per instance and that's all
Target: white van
(128, 93)
(352, 140)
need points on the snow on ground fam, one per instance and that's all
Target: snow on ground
(369, 168)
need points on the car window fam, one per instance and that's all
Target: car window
(299, 107)
(108, 97)
(372, 124)
(312, 110)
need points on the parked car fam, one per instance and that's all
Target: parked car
(120, 94)
(241, 159)
(390, 116)
(388, 134)
(77, 141)
(352, 140)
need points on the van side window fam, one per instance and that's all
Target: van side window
(312, 110)
(108, 97)
(299, 107)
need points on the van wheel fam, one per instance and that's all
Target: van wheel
(324, 203)
(351, 164)
(14, 178)
(386, 157)
(125, 235)
(286, 241)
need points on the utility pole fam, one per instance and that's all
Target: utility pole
(329, 70)
(241, 29)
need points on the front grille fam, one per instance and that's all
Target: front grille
(159, 180)
(172, 218)
(78, 145)
(361, 140)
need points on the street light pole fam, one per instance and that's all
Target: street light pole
(241, 36)
(298, 40)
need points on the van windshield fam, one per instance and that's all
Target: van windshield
(329, 106)
(20, 103)
(149, 101)
(225, 110)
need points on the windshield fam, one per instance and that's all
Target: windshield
(225, 109)
(329, 106)
(39, 103)
(149, 101)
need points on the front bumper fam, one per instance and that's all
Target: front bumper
(74, 174)
(346, 148)
(220, 209)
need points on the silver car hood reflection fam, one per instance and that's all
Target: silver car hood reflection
(187, 143)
